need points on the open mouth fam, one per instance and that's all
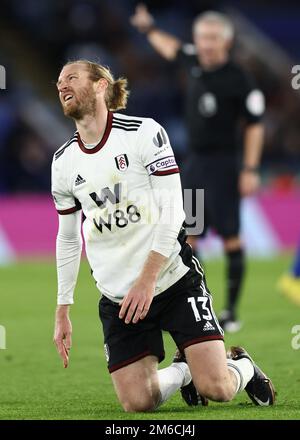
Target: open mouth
(68, 98)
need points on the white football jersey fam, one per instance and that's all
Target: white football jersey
(111, 183)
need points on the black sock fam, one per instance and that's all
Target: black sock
(234, 275)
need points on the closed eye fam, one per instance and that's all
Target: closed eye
(70, 77)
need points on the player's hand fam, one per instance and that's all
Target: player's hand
(63, 334)
(142, 19)
(249, 182)
(135, 305)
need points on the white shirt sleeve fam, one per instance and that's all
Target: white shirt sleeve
(69, 240)
(68, 253)
(171, 213)
(158, 158)
(64, 200)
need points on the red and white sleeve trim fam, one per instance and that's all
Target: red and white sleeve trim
(166, 172)
(75, 208)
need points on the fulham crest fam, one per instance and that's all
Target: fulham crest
(122, 162)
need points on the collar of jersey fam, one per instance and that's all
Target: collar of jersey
(103, 140)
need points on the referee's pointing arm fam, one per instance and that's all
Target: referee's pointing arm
(165, 44)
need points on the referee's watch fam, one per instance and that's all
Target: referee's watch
(250, 169)
(150, 28)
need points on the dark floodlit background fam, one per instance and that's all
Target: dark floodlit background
(36, 38)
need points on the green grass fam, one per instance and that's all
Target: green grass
(33, 384)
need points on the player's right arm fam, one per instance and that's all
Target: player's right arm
(68, 253)
(165, 44)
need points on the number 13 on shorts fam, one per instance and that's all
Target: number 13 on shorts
(198, 313)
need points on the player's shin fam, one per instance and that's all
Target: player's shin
(172, 378)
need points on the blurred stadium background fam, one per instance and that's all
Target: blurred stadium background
(36, 38)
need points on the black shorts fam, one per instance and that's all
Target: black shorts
(218, 175)
(184, 310)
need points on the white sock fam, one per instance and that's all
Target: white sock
(243, 371)
(172, 378)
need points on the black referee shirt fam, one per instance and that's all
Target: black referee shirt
(216, 100)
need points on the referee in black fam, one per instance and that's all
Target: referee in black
(220, 98)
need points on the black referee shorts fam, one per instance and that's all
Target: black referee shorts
(218, 175)
(184, 310)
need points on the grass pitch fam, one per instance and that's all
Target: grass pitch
(33, 384)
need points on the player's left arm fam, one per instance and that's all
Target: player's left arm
(158, 158)
(253, 107)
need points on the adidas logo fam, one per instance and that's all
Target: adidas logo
(79, 180)
(208, 326)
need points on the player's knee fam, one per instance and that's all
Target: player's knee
(139, 404)
(223, 393)
(135, 407)
(218, 391)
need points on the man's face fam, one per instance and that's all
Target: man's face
(76, 91)
(210, 42)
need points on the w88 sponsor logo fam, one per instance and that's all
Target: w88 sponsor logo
(119, 217)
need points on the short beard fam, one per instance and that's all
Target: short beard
(84, 105)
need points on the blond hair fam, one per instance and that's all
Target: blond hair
(116, 95)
